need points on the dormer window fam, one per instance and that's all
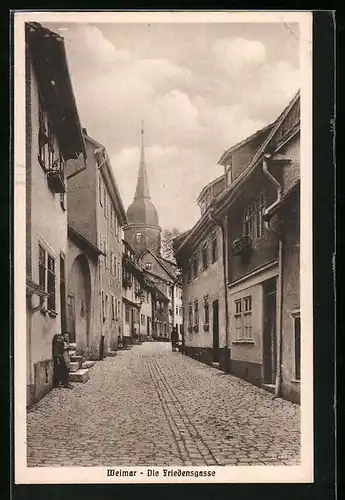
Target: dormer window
(138, 238)
(148, 266)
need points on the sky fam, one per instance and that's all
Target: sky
(199, 88)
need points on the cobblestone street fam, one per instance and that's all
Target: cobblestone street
(149, 406)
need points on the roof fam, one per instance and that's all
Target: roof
(164, 263)
(224, 157)
(226, 197)
(109, 178)
(49, 60)
(150, 284)
(212, 183)
(90, 247)
(142, 210)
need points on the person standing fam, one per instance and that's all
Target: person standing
(66, 362)
(57, 353)
(174, 339)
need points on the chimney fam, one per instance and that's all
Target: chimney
(84, 131)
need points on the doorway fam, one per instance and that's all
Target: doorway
(215, 329)
(71, 317)
(269, 331)
(148, 326)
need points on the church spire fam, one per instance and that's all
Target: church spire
(142, 189)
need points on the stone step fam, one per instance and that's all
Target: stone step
(215, 364)
(72, 352)
(112, 353)
(77, 359)
(88, 364)
(73, 345)
(82, 375)
(269, 387)
(74, 366)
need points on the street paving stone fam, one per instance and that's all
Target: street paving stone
(150, 406)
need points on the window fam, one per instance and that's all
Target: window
(189, 270)
(46, 276)
(195, 265)
(100, 194)
(63, 294)
(148, 266)
(229, 175)
(103, 306)
(142, 319)
(206, 310)
(297, 335)
(42, 267)
(196, 313)
(181, 311)
(204, 256)
(190, 314)
(176, 310)
(127, 316)
(243, 318)
(113, 307)
(138, 238)
(106, 254)
(253, 218)
(214, 247)
(51, 283)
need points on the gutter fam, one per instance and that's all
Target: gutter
(267, 220)
(225, 267)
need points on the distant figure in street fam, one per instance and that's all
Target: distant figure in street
(174, 339)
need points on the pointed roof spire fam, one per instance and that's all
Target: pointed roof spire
(142, 189)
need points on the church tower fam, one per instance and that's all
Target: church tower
(143, 231)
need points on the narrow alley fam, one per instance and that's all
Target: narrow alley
(150, 406)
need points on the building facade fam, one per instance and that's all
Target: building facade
(97, 214)
(54, 150)
(257, 215)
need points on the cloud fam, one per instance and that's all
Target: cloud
(239, 55)
(194, 107)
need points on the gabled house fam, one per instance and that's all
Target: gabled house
(94, 295)
(55, 151)
(260, 215)
(255, 331)
(164, 273)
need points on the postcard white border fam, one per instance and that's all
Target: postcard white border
(303, 473)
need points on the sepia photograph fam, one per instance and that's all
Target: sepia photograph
(163, 256)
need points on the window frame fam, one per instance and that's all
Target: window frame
(204, 256)
(206, 310)
(243, 317)
(215, 249)
(253, 222)
(196, 312)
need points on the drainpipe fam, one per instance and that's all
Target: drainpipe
(268, 174)
(225, 267)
